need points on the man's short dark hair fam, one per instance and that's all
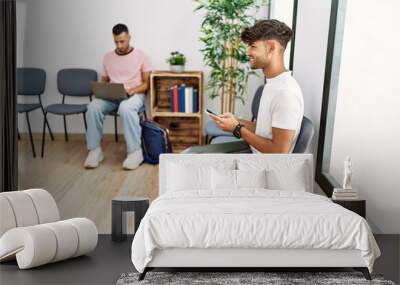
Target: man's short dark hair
(267, 30)
(119, 29)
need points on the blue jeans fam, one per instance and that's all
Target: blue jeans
(128, 112)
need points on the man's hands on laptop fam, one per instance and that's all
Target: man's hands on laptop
(130, 91)
(226, 121)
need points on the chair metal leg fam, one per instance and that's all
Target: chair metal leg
(84, 120)
(19, 136)
(47, 123)
(44, 132)
(50, 132)
(116, 128)
(48, 126)
(142, 116)
(30, 134)
(65, 129)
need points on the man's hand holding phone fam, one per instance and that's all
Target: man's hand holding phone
(225, 121)
(211, 113)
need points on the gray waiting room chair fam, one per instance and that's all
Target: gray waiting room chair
(215, 135)
(305, 137)
(73, 82)
(240, 146)
(31, 82)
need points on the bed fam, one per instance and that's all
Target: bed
(246, 211)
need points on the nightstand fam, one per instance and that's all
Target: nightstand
(122, 204)
(357, 206)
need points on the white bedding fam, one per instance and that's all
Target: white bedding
(251, 218)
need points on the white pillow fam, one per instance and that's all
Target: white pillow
(193, 176)
(294, 178)
(251, 178)
(223, 179)
(183, 177)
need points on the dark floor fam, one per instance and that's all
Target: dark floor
(103, 266)
(110, 260)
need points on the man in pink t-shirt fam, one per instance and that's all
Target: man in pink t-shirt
(131, 67)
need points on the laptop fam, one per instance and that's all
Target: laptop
(108, 91)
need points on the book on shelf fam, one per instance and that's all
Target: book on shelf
(344, 194)
(183, 99)
(340, 190)
(171, 99)
(195, 101)
(174, 98)
(345, 198)
(189, 100)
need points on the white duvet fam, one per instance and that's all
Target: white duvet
(253, 218)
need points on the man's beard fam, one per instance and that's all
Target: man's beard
(255, 65)
(259, 63)
(123, 51)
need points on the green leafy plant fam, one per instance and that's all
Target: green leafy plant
(176, 58)
(223, 51)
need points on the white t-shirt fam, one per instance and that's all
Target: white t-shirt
(281, 106)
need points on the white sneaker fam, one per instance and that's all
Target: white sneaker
(133, 160)
(94, 158)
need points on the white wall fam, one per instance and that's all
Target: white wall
(367, 118)
(283, 11)
(376, 158)
(56, 34)
(309, 58)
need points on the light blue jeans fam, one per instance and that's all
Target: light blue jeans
(128, 112)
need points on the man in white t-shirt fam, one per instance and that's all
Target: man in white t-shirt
(281, 105)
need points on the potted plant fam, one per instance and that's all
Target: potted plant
(176, 61)
(223, 50)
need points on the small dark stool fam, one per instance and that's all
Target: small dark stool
(121, 205)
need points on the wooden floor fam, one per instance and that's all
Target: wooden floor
(80, 192)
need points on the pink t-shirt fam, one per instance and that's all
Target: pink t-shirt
(126, 69)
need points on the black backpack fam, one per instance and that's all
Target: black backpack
(155, 141)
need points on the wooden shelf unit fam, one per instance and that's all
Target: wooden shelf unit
(186, 129)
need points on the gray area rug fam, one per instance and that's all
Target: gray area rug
(269, 278)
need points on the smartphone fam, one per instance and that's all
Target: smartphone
(208, 111)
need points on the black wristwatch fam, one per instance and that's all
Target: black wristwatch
(236, 131)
